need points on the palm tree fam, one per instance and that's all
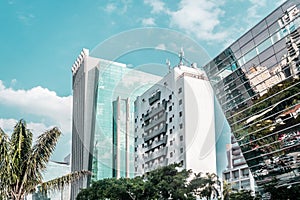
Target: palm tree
(210, 189)
(22, 162)
(226, 190)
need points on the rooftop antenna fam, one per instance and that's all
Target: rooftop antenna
(181, 56)
(168, 63)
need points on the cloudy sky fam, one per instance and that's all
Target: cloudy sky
(40, 40)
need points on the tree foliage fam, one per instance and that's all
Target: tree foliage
(22, 162)
(170, 182)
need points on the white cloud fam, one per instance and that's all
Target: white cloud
(110, 7)
(120, 7)
(7, 125)
(148, 22)
(25, 18)
(39, 102)
(199, 18)
(157, 5)
(252, 12)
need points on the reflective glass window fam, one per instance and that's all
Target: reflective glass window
(261, 37)
(247, 47)
(266, 54)
(259, 28)
(252, 62)
(276, 37)
(278, 46)
(237, 54)
(274, 16)
(250, 55)
(264, 45)
(289, 4)
(235, 46)
(269, 62)
(245, 39)
(280, 54)
(274, 27)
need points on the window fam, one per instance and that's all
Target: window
(181, 126)
(170, 120)
(171, 131)
(181, 150)
(181, 138)
(171, 143)
(180, 101)
(179, 90)
(171, 154)
(143, 166)
(180, 114)
(170, 108)
(170, 96)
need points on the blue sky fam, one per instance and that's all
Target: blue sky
(40, 40)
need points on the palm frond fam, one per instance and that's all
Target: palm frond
(4, 164)
(61, 182)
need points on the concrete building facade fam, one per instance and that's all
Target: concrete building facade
(174, 123)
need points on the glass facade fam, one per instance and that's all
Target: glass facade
(115, 81)
(256, 81)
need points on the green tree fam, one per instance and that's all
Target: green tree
(226, 190)
(241, 195)
(22, 162)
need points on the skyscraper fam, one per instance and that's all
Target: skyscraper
(256, 80)
(97, 83)
(174, 123)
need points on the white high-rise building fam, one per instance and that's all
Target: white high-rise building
(174, 123)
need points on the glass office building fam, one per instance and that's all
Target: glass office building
(99, 117)
(256, 81)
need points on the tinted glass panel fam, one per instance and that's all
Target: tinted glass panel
(274, 27)
(253, 62)
(269, 62)
(259, 28)
(279, 45)
(235, 46)
(245, 39)
(261, 37)
(274, 16)
(264, 45)
(266, 54)
(247, 47)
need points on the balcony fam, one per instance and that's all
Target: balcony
(151, 167)
(154, 98)
(155, 122)
(156, 144)
(155, 133)
(154, 112)
(157, 154)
